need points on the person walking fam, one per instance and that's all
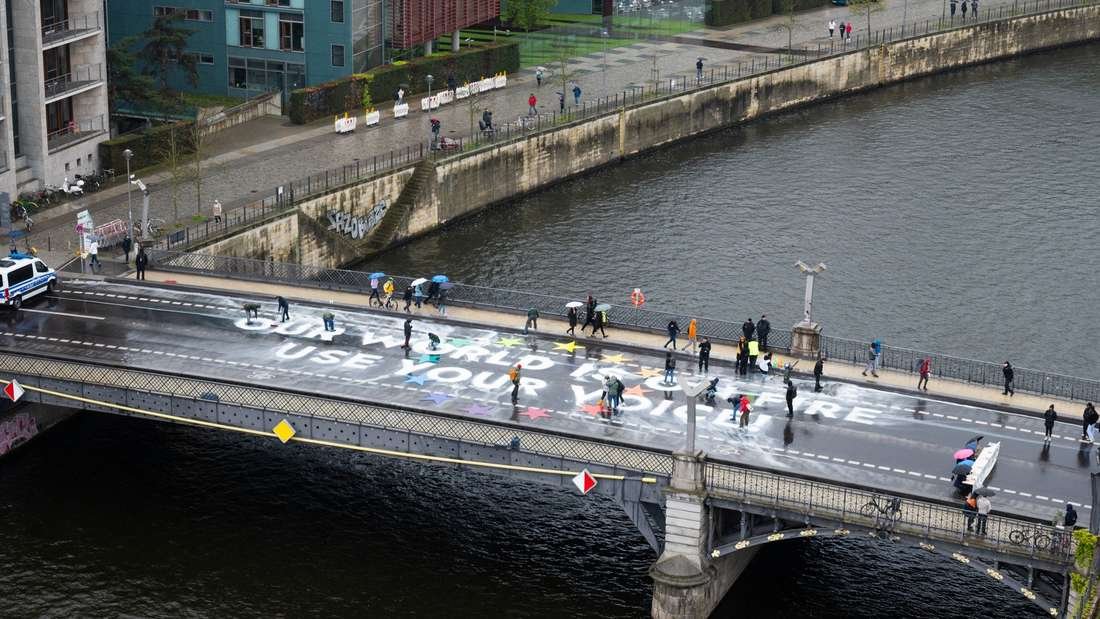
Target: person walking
(141, 261)
(599, 324)
(877, 345)
(374, 293)
(819, 369)
(870, 361)
(704, 355)
(984, 507)
(538, 77)
(763, 328)
(514, 376)
(614, 394)
(418, 296)
(576, 94)
(330, 321)
(963, 9)
(1049, 417)
(127, 245)
(693, 333)
(1088, 418)
(452, 83)
(741, 405)
(848, 31)
(284, 308)
(831, 26)
(953, 4)
(408, 333)
(925, 371)
(754, 352)
(742, 356)
(974, 8)
(532, 101)
(572, 316)
(408, 299)
(589, 314)
(699, 70)
(748, 329)
(670, 369)
(441, 302)
(532, 320)
(216, 211)
(388, 289)
(1010, 375)
(673, 331)
(93, 256)
(1070, 519)
(792, 392)
(970, 511)
(764, 365)
(561, 101)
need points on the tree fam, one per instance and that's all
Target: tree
(165, 48)
(788, 23)
(198, 135)
(125, 83)
(173, 152)
(564, 51)
(866, 7)
(528, 14)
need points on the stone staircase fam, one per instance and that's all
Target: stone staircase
(383, 233)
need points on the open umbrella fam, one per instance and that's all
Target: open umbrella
(603, 307)
(963, 454)
(963, 467)
(973, 442)
(377, 275)
(574, 304)
(418, 281)
(985, 492)
(440, 279)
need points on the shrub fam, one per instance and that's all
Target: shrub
(148, 146)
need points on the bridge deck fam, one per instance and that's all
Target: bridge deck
(849, 434)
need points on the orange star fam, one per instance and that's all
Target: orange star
(637, 390)
(592, 409)
(650, 372)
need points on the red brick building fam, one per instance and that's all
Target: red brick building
(418, 21)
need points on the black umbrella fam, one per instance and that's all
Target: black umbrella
(962, 468)
(984, 492)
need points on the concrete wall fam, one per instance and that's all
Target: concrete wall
(275, 240)
(270, 104)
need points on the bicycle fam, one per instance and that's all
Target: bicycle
(1022, 537)
(153, 227)
(886, 511)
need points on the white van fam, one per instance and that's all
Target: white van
(23, 276)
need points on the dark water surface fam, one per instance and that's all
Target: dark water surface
(956, 214)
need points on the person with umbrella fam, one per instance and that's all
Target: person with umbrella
(571, 315)
(374, 277)
(958, 476)
(435, 286)
(1049, 417)
(418, 291)
(601, 319)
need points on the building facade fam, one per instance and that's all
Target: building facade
(53, 86)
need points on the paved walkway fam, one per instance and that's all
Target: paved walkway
(250, 160)
(888, 380)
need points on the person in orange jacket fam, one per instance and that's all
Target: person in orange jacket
(693, 333)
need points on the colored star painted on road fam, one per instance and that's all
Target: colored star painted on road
(534, 413)
(650, 372)
(616, 358)
(459, 342)
(438, 398)
(570, 346)
(637, 390)
(592, 409)
(479, 409)
(509, 341)
(416, 379)
(426, 358)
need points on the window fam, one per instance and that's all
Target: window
(252, 29)
(200, 58)
(161, 11)
(337, 11)
(20, 275)
(277, 2)
(238, 77)
(337, 55)
(199, 15)
(291, 31)
(41, 268)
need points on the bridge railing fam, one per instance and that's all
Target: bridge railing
(921, 519)
(854, 351)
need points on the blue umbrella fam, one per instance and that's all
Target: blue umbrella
(440, 279)
(377, 275)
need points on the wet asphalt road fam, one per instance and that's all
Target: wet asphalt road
(847, 433)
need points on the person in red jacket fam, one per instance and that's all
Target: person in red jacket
(531, 102)
(925, 370)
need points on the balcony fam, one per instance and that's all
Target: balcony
(70, 30)
(75, 132)
(79, 80)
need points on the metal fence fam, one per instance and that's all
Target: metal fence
(853, 351)
(921, 519)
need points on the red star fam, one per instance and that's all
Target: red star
(637, 390)
(592, 409)
(533, 413)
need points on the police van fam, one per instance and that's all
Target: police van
(22, 277)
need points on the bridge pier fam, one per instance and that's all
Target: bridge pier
(687, 582)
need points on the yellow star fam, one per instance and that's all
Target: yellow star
(571, 346)
(650, 372)
(617, 358)
(509, 341)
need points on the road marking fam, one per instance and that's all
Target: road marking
(88, 316)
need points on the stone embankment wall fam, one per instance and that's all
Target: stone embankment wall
(462, 184)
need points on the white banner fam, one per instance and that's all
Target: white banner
(500, 81)
(462, 92)
(429, 103)
(446, 97)
(400, 109)
(486, 84)
(346, 125)
(475, 88)
(374, 118)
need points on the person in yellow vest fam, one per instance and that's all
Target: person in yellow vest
(388, 289)
(693, 333)
(754, 352)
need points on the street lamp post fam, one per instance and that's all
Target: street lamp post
(691, 392)
(806, 335)
(808, 302)
(603, 35)
(127, 155)
(428, 78)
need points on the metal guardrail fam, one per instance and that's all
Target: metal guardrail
(54, 31)
(854, 351)
(75, 131)
(921, 519)
(78, 78)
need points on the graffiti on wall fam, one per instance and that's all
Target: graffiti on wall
(16, 431)
(356, 227)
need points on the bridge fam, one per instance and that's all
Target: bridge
(188, 354)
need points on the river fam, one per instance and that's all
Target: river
(955, 213)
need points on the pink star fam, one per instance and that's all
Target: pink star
(533, 413)
(592, 409)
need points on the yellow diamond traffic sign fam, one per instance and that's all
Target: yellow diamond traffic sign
(284, 431)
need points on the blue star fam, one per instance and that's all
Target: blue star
(416, 378)
(438, 398)
(479, 409)
(426, 358)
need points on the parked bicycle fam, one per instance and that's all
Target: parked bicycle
(155, 226)
(1023, 537)
(886, 511)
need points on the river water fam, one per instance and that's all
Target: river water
(955, 214)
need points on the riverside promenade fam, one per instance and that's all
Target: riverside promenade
(246, 163)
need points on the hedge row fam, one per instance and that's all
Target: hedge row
(726, 12)
(379, 85)
(150, 147)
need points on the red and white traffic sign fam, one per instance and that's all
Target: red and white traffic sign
(584, 481)
(14, 391)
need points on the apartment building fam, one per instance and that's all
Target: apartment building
(53, 87)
